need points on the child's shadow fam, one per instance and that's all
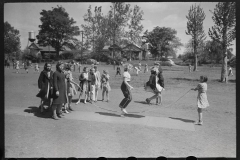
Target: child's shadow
(142, 102)
(184, 120)
(36, 112)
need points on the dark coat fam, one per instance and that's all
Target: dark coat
(59, 85)
(43, 82)
(160, 79)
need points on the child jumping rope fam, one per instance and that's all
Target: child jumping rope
(202, 101)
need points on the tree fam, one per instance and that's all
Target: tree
(57, 29)
(224, 31)
(12, 43)
(195, 18)
(163, 40)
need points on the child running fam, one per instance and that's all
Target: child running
(202, 101)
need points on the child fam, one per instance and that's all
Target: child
(230, 71)
(83, 78)
(190, 67)
(98, 82)
(17, 67)
(146, 68)
(137, 70)
(71, 90)
(139, 66)
(118, 71)
(36, 67)
(92, 85)
(202, 101)
(105, 84)
(26, 66)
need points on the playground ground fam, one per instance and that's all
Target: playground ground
(97, 130)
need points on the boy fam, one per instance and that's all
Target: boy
(118, 71)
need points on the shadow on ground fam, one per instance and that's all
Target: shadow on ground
(142, 102)
(184, 120)
(36, 112)
(185, 79)
(118, 115)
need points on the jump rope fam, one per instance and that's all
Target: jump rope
(144, 110)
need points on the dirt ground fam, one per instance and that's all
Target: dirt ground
(31, 134)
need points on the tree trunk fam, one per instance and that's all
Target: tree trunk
(195, 57)
(224, 76)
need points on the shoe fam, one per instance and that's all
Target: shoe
(102, 99)
(66, 111)
(148, 101)
(198, 123)
(84, 102)
(77, 102)
(124, 110)
(55, 117)
(70, 108)
(59, 116)
(107, 101)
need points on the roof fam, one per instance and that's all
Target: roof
(115, 47)
(132, 47)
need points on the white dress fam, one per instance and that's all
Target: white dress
(202, 101)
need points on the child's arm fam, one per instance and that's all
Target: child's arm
(195, 89)
(74, 83)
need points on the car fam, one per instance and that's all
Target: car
(92, 61)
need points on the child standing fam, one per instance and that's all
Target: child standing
(230, 71)
(118, 71)
(83, 78)
(105, 84)
(36, 67)
(146, 68)
(17, 67)
(190, 67)
(202, 101)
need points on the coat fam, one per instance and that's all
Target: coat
(59, 85)
(45, 84)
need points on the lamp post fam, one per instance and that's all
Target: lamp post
(82, 46)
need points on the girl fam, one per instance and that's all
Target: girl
(126, 89)
(36, 67)
(155, 86)
(83, 78)
(45, 85)
(105, 84)
(92, 84)
(71, 90)
(202, 101)
(98, 82)
(146, 68)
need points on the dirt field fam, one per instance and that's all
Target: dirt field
(30, 134)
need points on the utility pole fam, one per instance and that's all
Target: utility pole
(82, 46)
(113, 29)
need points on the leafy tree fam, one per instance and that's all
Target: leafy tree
(224, 31)
(164, 41)
(57, 29)
(11, 40)
(195, 18)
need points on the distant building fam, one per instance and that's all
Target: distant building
(133, 51)
(44, 50)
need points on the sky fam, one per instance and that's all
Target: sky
(25, 17)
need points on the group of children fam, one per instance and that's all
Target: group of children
(25, 65)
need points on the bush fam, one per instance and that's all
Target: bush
(66, 55)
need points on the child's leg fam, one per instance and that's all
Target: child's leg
(107, 95)
(69, 103)
(200, 114)
(103, 92)
(96, 94)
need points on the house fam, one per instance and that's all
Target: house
(113, 50)
(133, 51)
(44, 50)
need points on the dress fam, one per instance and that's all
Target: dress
(71, 90)
(202, 101)
(83, 78)
(105, 86)
(98, 80)
(59, 85)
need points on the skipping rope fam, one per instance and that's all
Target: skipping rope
(145, 110)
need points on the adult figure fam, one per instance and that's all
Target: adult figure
(91, 85)
(161, 83)
(45, 85)
(126, 90)
(59, 90)
(98, 82)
